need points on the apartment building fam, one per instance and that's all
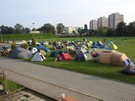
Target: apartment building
(71, 30)
(102, 22)
(93, 25)
(114, 19)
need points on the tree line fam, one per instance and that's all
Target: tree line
(19, 29)
(122, 29)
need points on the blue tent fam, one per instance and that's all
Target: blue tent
(39, 47)
(47, 50)
(110, 42)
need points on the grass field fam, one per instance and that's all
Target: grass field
(90, 67)
(126, 46)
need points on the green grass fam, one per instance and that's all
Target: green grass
(16, 37)
(90, 67)
(11, 86)
(94, 68)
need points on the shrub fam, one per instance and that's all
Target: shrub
(13, 45)
(33, 41)
(24, 45)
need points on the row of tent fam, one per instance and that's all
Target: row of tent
(84, 51)
(27, 54)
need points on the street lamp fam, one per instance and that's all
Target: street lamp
(33, 25)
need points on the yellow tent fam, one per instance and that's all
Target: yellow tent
(113, 46)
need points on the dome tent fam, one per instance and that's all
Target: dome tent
(112, 57)
(38, 57)
(20, 53)
(129, 67)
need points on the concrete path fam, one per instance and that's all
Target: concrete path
(101, 88)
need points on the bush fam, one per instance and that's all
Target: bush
(13, 45)
(24, 45)
(33, 41)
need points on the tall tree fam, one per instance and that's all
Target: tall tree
(86, 28)
(18, 29)
(47, 28)
(80, 31)
(10, 30)
(60, 28)
(26, 30)
(131, 29)
(102, 31)
(4, 29)
(120, 30)
(110, 32)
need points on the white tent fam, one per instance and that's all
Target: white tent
(38, 57)
(34, 50)
(129, 67)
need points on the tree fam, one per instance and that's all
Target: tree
(79, 31)
(13, 45)
(85, 28)
(110, 32)
(4, 29)
(10, 30)
(26, 30)
(102, 31)
(93, 32)
(47, 28)
(60, 28)
(18, 29)
(120, 30)
(131, 29)
(33, 41)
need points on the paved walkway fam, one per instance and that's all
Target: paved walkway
(101, 88)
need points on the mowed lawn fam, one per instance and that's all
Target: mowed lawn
(125, 44)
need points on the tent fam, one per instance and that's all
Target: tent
(42, 52)
(81, 49)
(39, 47)
(20, 53)
(87, 56)
(105, 57)
(34, 50)
(110, 42)
(80, 57)
(88, 44)
(117, 58)
(71, 50)
(129, 67)
(113, 46)
(54, 53)
(66, 56)
(38, 57)
(47, 50)
(112, 57)
(84, 46)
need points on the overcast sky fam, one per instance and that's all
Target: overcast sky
(69, 12)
